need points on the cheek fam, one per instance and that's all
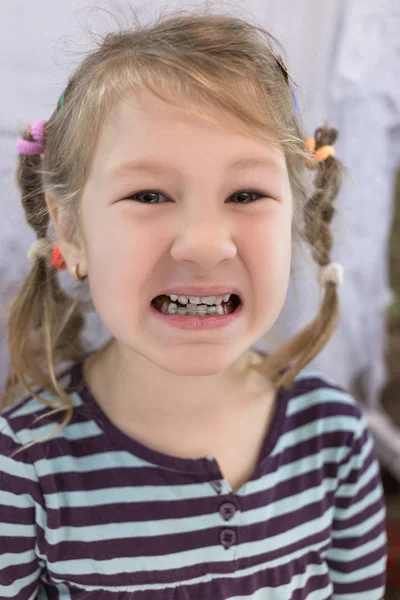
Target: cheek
(119, 262)
(269, 252)
(269, 244)
(117, 247)
(117, 276)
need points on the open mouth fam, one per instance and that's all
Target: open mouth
(165, 305)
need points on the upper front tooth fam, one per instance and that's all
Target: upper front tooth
(198, 300)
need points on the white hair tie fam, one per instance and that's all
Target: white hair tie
(39, 248)
(332, 272)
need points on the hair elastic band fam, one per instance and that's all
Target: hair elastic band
(295, 103)
(318, 155)
(60, 103)
(331, 273)
(38, 145)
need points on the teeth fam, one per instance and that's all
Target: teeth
(193, 308)
(208, 300)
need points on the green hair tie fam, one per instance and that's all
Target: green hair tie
(60, 103)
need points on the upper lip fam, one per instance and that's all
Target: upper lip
(201, 290)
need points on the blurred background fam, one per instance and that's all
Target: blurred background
(344, 56)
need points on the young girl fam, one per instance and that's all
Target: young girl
(178, 463)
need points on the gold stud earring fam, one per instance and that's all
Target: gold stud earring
(75, 273)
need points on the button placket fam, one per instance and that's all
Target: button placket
(228, 536)
(227, 510)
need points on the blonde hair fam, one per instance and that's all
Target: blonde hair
(202, 61)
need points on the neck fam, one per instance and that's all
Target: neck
(137, 389)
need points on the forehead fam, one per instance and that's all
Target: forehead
(146, 130)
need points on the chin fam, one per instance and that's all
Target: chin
(198, 359)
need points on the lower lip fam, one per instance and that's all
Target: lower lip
(198, 323)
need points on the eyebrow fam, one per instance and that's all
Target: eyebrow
(155, 167)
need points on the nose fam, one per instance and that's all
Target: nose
(204, 241)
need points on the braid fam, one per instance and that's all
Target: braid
(53, 319)
(29, 181)
(318, 214)
(319, 209)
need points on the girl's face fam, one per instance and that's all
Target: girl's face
(195, 230)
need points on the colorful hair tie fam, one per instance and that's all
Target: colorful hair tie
(57, 260)
(295, 102)
(60, 103)
(41, 248)
(38, 145)
(318, 155)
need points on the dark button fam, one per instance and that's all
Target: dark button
(227, 537)
(227, 510)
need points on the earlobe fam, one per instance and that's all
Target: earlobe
(69, 252)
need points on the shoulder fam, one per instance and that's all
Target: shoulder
(313, 389)
(316, 399)
(326, 407)
(26, 420)
(314, 382)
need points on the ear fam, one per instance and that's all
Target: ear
(72, 253)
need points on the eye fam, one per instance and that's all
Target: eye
(250, 193)
(152, 195)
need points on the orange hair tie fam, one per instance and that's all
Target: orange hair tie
(318, 155)
(57, 260)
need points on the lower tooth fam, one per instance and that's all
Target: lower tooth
(173, 310)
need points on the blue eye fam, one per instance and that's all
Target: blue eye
(158, 193)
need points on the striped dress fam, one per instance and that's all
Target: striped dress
(92, 514)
